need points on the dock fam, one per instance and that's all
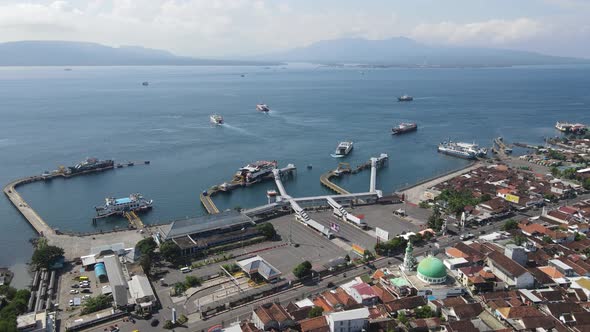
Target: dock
(205, 196)
(31, 215)
(344, 168)
(134, 220)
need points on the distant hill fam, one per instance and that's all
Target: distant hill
(407, 52)
(65, 53)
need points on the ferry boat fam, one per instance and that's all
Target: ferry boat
(462, 150)
(570, 127)
(405, 98)
(90, 164)
(403, 128)
(343, 149)
(113, 206)
(216, 119)
(254, 172)
(146, 83)
(262, 108)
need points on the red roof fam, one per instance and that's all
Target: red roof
(364, 290)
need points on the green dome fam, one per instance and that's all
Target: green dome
(432, 267)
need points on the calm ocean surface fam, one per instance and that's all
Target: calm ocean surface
(51, 117)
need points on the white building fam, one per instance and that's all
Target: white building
(509, 271)
(348, 321)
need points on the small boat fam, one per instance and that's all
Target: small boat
(243, 75)
(271, 193)
(216, 119)
(146, 83)
(405, 98)
(119, 166)
(403, 128)
(130, 163)
(343, 149)
(147, 162)
(262, 108)
(310, 166)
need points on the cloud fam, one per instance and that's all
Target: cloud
(497, 32)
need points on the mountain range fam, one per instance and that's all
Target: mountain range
(407, 52)
(66, 53)
(402, 52)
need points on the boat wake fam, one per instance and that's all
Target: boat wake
(337, 155)
(238, 129)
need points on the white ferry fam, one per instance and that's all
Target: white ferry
(262, 108)
(343, 149)
(112, 206)
(216, 119)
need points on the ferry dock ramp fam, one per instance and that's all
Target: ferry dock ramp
(207, 201)
(344, 168)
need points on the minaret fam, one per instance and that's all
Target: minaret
(410, 261)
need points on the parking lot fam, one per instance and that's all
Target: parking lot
(70, 289)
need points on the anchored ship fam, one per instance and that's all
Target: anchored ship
(113, 206)
(403, 128)
(570, 127)
(405, 98)
(262, 108)
(254, 172)
(343, 149)
(90, 164)
(216, 119)
(462, 150)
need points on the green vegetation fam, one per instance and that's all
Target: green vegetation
(315, 312)
(168, 325)
(146, 263)
(368, 256)
(97, 303)
(402, 318)
(302, 270)
(579, 237)
(435, 221)
(231, 268)
(170, 251)
(424, 204)
(547, 239)
(46, 255)
(146, 246)
(394, 245)
(553, 154)
(519, 240)
(457, 200)
(267, 229)
(347, 258)
(510, 224)
(179, 288)
(14, 304)
(192, 281)
(208, 261)
(586, 183)
(424, 312)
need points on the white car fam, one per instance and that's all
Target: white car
(71, 302)
(74, 291)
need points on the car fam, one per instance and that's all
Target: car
(85, 286)
(74, 291)
(85, 290)
(155, 322)
(75, 286)
(71, 302)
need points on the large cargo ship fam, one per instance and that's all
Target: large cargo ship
(462, 150)
(90, 164)
(114, 206)
(403, 128)
(255, 172)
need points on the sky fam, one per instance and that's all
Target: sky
(226, 28)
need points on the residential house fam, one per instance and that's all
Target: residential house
(272, 316)
(510, 272)
(355, 320)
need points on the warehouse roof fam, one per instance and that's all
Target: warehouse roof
(209, 222)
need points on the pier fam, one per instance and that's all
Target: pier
(209, 205)
(134, 220)
(344, 168)
(31, 215)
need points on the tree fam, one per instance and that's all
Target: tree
(510, 224)
(485, 198)
(519, 240)
(347, 258)
(435, 221)
(97, 303)
(170, 251)
(267, 229)
(146, 246)
(547, 239)
(424, 312)
(368, 255)
(586, 183)
(302, 270)
(578, 237)
(192, 281)
(45, 256)
(315, 312)
(146, 263)
(402, 318)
